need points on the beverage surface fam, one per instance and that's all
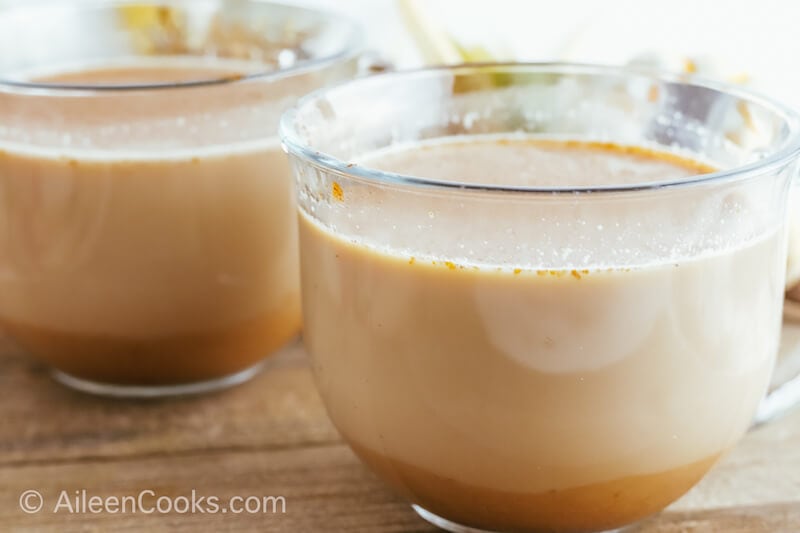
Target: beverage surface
(541, 230)
(147, 71)
(112, 111)
(532, 162)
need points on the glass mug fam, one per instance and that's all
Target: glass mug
(147, 222)
(557, 358)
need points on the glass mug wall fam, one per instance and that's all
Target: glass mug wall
(516, 352)
(147, 221)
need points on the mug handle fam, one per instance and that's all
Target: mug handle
(784, 388)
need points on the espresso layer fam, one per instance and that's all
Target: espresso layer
(583, 509)
(163, 360)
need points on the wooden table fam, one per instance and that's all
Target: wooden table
(271, 437)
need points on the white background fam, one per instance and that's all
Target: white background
(760, 38)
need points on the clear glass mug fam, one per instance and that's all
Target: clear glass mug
(565, 358)
(147, 222)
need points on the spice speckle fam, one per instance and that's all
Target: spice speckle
(337, 191)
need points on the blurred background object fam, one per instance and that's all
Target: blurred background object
(739, 40)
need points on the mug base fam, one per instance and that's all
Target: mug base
(116, 390)
(452, 527)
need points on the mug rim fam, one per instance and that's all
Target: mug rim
(787, 151)
(352, 48)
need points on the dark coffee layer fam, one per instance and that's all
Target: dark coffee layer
(166, 360)
(583, 509)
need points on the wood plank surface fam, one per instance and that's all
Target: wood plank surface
(271, 437)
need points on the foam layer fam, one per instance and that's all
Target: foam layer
(544, 231)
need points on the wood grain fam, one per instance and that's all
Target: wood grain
(50, 423)
(271, 437)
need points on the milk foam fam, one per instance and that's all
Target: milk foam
(534, 231)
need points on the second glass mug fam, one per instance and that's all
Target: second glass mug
(557, 358)
(147, 221)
